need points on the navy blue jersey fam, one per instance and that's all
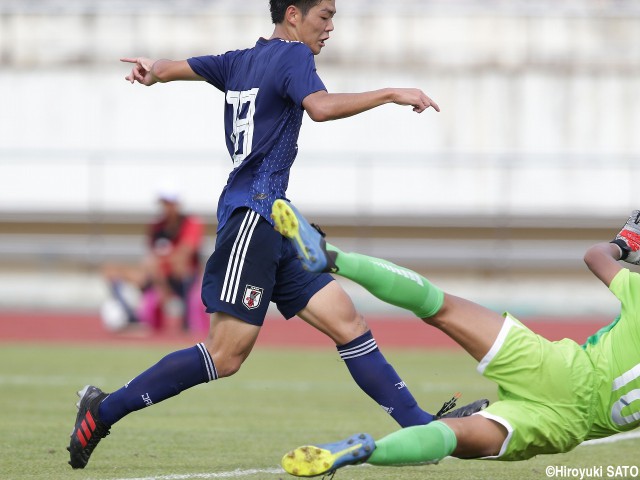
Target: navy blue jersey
(264, 88)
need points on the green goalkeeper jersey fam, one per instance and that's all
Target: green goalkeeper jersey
(555, 395)
(615, 354)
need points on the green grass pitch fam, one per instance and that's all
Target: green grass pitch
(238, 427)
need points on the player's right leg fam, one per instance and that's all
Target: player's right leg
(315, 460)
(469, 437)
(239, 311)
(97, 412)
(418, 445)
(229, 343)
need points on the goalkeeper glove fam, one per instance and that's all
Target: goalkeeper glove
(628, 239)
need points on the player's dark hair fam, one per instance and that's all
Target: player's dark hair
(279, 7)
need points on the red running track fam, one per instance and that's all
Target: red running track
(401, 332)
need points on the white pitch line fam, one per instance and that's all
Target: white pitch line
(613, 439)
(186, 476)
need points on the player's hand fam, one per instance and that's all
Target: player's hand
(628, 239)
(414, 97)
(141, 71)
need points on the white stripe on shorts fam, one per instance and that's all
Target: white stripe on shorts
(506, 425)
(497, 344)
(236, 259)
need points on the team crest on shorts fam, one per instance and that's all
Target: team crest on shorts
(252, 296)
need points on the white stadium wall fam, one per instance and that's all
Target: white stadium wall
(538, 109)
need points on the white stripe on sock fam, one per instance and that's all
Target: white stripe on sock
(371, 349)
(359, 350)
(371, 340)
(208, 361)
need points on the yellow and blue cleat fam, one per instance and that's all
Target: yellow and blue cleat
(315, 460)
(307, 238)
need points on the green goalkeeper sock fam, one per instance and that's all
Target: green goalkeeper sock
(390, 283)
(415, 445)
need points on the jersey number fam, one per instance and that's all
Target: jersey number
(626, 399)
(244, 106)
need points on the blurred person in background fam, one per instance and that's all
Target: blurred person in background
(552, 395)
(267, 89)
(168, 276)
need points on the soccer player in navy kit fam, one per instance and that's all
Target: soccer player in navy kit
(267, 90)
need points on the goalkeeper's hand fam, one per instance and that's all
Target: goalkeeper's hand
(629, 239)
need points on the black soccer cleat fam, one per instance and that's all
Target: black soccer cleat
(88, 430)
(466, 410)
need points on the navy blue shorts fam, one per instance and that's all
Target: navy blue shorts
(251, 265)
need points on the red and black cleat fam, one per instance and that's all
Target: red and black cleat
(88, 430)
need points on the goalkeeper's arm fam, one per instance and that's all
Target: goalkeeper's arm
(602, 260)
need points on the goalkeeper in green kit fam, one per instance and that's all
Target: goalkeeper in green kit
(552, 395)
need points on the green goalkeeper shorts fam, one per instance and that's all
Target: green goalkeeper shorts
(545, 392)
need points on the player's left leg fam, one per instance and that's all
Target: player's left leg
(331, 311)
(322, 303)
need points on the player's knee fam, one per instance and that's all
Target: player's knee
(226, 365)
(477, 436)
(225, 359)
(350, 329)
(437, 320)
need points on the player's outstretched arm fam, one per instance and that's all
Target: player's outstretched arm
(602, 259)
(323, 106)
(147, 71)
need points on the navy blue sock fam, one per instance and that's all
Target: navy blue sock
(170, 376)
(377, 378)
